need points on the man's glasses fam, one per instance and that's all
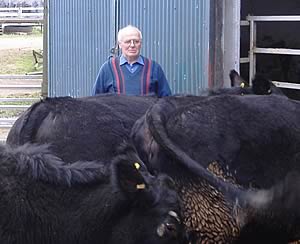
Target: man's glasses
(129, 42)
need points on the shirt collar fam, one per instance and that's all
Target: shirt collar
(123, 60)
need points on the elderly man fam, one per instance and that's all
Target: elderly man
(131, 73)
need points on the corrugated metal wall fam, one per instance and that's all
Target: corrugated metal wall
(175, 34)
(81, 33)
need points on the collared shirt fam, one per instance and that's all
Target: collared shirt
(131, 67)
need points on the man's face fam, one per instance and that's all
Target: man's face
(131, 45)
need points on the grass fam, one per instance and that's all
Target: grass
(5, 113)
(21, 36)
(19, 60)
(28, 95)
(16, 61)
(11, 113)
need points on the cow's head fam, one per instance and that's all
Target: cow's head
(236, 80)
(151, 205)
(260, 85)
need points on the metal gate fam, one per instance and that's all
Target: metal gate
(254, 50)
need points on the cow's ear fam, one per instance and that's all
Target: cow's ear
(236, 80)
(129, 176)
(261, 85)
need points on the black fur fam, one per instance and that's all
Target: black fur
(236, 80)
(100, 123)
(45, 200)
(260, 86)
(254, 138)
(38, 163)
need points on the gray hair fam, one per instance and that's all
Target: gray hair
(124, 30)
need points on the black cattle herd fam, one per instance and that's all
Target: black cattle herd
(221, 167)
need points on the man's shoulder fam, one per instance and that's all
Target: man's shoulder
(106, 67)
(146, 58)
(107, 62)
(156, 65)
(153, 62)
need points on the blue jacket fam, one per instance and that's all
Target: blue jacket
(148, 79)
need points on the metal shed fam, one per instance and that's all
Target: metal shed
(80, 35)
(197, 42)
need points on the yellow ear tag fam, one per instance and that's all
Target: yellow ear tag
(137, 166)
(242, 85)
(140, 186)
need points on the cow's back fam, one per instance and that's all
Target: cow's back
(80, 128)
(256, 138)
(249, 141)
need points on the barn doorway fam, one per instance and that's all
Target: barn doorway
(285, 68)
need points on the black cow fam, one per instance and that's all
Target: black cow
(260, 86)
(196, 195)
(236, 80)
(46, 201)
(248, 142)
(86, 128)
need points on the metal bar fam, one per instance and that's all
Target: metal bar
(7, 126)
(23, 107)
(252, 58)
(7, 123)
(22, 9)
(286, 85)
(32, 15)
(277, 51)
(251, 53)
(24, 16)
(20, 86)
(21, 77)
(44, 89)
(281, 51)
(21, 20)
(8, 9)
(244, 60)
(8, 120)
(274, 18)
(244, 23)
(11, 14)
(21, 99)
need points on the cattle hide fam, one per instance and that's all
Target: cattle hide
(217, 148)
(46, 201)
(260, 85)
(85, 128)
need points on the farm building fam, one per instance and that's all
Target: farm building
(197, 42)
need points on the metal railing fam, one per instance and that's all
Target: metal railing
(253, 50)
(22, 15)
(8, 122)
(23, 77)
(22, 12)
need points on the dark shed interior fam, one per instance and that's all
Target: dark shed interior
(285, 68)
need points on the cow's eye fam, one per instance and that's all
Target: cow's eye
(167, 230)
